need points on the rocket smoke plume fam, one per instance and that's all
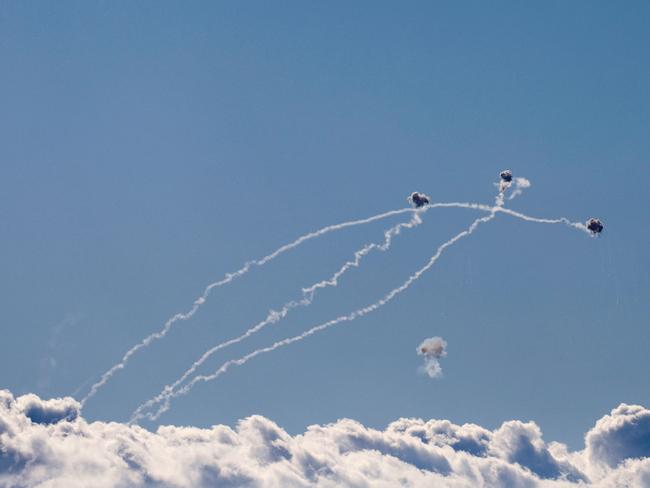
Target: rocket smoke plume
(343, 318)
(227, 279)
(520, 185)
(307, 298)
(243, 270)
(275, 316)
(361, 311)
(432, 349)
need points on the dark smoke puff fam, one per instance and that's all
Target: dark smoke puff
(595, 226)
(506, 175)
(418, 199)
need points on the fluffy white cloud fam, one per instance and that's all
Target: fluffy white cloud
(46, 443)
(623, 434)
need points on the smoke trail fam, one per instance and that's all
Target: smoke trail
(500, 198)
(308, 296)
(343, 318)
(275, 316)
(520, 185)
(361, 311)
(227, 279)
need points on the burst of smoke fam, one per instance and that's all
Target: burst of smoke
(432, 349)
(361, 311)
(505, 181)
(520, 185)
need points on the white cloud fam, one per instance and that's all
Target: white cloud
(47, 444)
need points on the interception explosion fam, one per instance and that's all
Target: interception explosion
(595, 226)
(418, 199)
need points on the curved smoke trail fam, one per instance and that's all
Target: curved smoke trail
(361, 311)
(227, 279)
(240, 272)
(307, 298)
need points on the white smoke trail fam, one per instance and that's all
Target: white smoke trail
(501, 198)
(503, 185)
(227, 279)
(243, 270)
(361, 311)
(308, 296)
(275, 316)
(343, 318)
(520, 185)
(561, 220)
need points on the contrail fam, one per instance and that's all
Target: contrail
(227, 279)
(240, 272)
(359, 312)
(307, 298)
(561, 220)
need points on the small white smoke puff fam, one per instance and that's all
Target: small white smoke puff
(520, 185)
(432, 349)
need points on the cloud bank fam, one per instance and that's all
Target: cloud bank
(48, 444)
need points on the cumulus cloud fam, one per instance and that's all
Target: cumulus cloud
(432, 349)
(623, 434)
(48, 444)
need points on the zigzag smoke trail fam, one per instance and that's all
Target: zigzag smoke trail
(308, 296)
(240, 272)
(362, 311)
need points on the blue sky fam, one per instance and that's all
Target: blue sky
(149, 148)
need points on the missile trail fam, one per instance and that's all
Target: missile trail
(343, 318)
(561, 220)
(275, 316)
(240, 272)
(307, 298)
(359, 312)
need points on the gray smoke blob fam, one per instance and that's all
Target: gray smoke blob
(418, 199)
(433, 346)
(432, 349)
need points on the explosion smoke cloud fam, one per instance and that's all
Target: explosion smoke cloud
(432, 349)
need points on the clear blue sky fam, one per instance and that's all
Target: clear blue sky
(147, 148)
